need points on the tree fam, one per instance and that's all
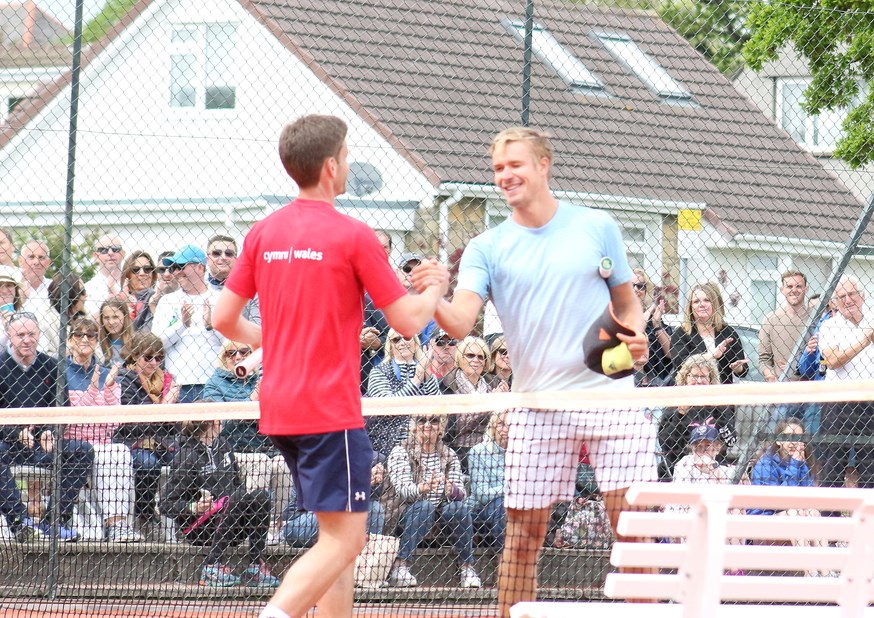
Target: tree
(836, 40)
(82, 260)
(101, 23)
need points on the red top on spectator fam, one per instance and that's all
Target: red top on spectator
(310, 266)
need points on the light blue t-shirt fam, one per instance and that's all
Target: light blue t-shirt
(548, 291)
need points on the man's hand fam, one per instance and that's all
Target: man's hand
(369, 338)
(812, 344)
(428, 273)
(207, 314)
(638, 346)
(25, 436)
(377, 473)
(47, 441)
(187, 314)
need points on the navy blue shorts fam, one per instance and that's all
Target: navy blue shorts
(331, 471)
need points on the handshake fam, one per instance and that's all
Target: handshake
(429, 273)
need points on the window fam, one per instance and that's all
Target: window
(819, 132)
(564, 63)
(647, 70)
(201, 62)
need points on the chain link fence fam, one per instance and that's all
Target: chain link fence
(138, 144)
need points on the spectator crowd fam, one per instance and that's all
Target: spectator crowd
(139, 332)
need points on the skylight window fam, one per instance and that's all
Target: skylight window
(553, 53)
(647, 70)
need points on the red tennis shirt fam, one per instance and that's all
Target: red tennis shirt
(310, 265)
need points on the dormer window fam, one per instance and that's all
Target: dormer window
(645, 68)
(555, 55)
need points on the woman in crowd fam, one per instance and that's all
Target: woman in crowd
(165, 282)
(50, 316)
(143, 382)
(11, 299)
(116, 329)
(425, 484)
(675, 423)
(658, 369)
(91, 384)
(404, 372)
(139, 273)
(261, 466)
(206, 497)
(486, 500)
(704, 331)
(786, 462)
(502, 371)
(468, 378)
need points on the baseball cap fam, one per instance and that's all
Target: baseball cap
(10, 274)
(406, 258)
(703, 432)
(186, 255)
(441, 335)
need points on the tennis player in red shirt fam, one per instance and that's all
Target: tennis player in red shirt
(309, 266)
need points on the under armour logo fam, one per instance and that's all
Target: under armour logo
(360, 495)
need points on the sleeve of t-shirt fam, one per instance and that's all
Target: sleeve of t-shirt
(473, 271)
(374, 271)
(242, 278)
(614, 248)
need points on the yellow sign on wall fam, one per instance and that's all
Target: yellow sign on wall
(689, 219)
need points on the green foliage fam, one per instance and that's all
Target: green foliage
(836, 40)
(82, 261)
(101, 23)
(715, 28)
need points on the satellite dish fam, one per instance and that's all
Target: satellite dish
(363, 179)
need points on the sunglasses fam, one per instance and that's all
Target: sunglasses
(161, 269)
(175, 268)
(472, 356)
(398, 338)
(142, 269)
(21, 315)
(244, 352)
(158, 358)
(228, 253)
(433, 420)
(502, 351)
(80, 335)
(105, 250)
(408, 269)
(639, 286)
(442, 343)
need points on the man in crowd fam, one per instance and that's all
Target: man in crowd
(107, 281)
(441, 352)
(183, 321)
(781, 330)
(27, 380)
(221, 255)
(846, 344)
(406, 265)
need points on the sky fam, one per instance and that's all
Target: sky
(65, 10)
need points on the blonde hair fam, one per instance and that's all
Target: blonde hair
(390, 348)
(697, 360)
(541, 147)
(414, 421)
(492, 427)
(711, 292)
(647, 297)
(463, 346)
(227, 345)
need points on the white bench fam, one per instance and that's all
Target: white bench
(692, 573)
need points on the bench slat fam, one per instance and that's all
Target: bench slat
(753, 527)
(573, 609)
(750, 496)
(733, 588)
(749, 557)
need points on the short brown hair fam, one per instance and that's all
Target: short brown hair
(305, 145)
(541, 146)
(220, 238)
(140, 344)
(792, 272)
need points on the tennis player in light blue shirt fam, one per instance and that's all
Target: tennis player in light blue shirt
(541, 269)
